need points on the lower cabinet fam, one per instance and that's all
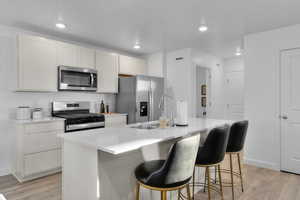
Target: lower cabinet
(41, 162)
(115, 120)
(38, 149)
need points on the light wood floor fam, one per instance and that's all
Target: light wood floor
(260, 184)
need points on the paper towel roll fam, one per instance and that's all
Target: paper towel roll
(182, 113)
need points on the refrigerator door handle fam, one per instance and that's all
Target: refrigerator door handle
(149, 105)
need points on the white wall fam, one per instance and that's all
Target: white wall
(181, 78)
(9, 99)
(155, 64)
(262, 62)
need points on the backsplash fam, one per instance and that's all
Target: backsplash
(44, 100)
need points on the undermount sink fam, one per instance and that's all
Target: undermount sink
(146, 126)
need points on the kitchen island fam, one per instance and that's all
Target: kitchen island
(100, 163)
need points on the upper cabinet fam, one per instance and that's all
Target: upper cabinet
(86, 57)
(37, 67)
(108, 68)
(38, 59)
(132, 66)
(67, 54)
(75, 56)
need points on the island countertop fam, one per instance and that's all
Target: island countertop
(121, 140)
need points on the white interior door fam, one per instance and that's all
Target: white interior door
(234, 95)
(290, 111)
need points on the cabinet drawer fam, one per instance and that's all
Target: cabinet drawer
(41, 162)
(115, 121)
(44, 127)
(34, 143)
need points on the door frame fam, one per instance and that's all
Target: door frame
(279, 102)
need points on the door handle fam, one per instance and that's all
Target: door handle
(285, 117)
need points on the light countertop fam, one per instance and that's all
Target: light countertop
(45, 119)
(122, 140)
(114, 114)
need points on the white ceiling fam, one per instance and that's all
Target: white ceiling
(156, 24)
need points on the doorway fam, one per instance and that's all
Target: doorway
(202, 91)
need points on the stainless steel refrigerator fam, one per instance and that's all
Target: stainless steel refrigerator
(140, 97)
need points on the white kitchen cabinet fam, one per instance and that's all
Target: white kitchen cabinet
(37, 67)
(38, 149)
(67, 54)
(75, 56)
(132, 66)
(108, 70)
(86, 57)
(115, 120)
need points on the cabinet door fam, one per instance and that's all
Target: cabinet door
(140, 66)
(37, 70)
(86, 57)
(67, 54)
(132, 66)
(115, 121)
(41, 162)
(107, 66)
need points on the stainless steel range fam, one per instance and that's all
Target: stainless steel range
(77, 115)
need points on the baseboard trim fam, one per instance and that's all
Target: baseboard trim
(263, 164)
(5, 171)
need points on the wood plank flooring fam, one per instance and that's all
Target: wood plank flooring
(260, 184)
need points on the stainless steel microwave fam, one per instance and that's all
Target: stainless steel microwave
(77, 79)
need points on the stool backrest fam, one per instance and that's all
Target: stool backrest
(214, 148)
(180, 163)
(237, 136)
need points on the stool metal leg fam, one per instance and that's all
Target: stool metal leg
(205, 177)
(241, 174)
(137, 194)
(179, 191)
(216, 172)
(193, 189)
(231, 173)
(163, 195)
(220, 181)
(208, 182)
(188, 192)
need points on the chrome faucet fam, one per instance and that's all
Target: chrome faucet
(162, 107)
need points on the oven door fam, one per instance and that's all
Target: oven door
(83, 126)
(77, 79)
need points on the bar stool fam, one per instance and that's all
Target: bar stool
(211, 154)
(236, 141)
(171, 174)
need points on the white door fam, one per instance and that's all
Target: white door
(108, 69)
(37, 64)
(234, 93)
(290, 111)
(86, 57)
(67, 54)
(132, 66)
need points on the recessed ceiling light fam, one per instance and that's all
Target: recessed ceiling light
(60, 25)
(137, 46)
(238, 53)
(203, 28)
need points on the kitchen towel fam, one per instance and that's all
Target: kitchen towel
(182, 113)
